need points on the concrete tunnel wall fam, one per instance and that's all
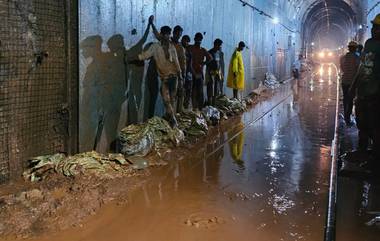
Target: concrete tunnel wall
(372, 11)
(112, 93)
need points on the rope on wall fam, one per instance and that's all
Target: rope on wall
(261, 12)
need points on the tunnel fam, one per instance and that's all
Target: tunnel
(261, 126)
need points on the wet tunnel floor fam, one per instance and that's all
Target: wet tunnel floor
(358, 195)
(259, 179)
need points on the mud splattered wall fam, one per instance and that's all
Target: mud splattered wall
(37, 70)
(113, 93)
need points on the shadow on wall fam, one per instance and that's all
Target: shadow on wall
(111, 91)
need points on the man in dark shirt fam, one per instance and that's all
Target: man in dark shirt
(200, 57)
(188, 80)
(367, 89)
(181, 53)
(215, 72)
(349, 64)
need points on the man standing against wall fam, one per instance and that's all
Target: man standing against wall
(235, 78)
(188, 81)
(169, 70)
(215, 72)
(200, 57)
(349, 64)
(177, 33)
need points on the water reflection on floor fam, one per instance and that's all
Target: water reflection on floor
(358, 197)
(256, 178)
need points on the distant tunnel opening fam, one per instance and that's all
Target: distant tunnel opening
(331, 24)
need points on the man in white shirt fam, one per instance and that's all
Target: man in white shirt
(168, 68)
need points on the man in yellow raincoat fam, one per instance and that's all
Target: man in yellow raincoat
(235, 79)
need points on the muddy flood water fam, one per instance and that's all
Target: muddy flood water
(264, 177)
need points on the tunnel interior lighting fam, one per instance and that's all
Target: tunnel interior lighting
(360, 26)
(275, 20)
(312, 43)
(330, 54)
(321, 55)
(321, 71)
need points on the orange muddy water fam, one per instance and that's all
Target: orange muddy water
(262, 176)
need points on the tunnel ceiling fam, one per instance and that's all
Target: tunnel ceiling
(334, 19)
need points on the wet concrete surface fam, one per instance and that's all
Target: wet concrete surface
(358, 193)
(263, 176)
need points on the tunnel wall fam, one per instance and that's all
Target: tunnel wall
(372, 10)
(38, 81)
(112, 93)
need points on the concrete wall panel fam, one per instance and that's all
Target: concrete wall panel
(102, 70)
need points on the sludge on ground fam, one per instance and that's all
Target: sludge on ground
(58, 203)
(250, 179)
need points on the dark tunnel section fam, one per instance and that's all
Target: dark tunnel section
(331, 24)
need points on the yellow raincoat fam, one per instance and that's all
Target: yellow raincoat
(237, 143)
(236, 66)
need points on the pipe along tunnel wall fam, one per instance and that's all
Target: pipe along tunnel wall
(113, 93)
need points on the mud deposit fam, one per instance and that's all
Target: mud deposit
(57, 203)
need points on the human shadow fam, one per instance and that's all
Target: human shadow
(91, 104)
(151, 88)
(135, 76)
(116, 90)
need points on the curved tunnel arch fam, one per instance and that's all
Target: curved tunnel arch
(322, 19)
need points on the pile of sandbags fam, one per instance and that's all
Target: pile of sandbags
(212, 115)
(136, 141)
(104, 166)
(271, 81)
(192, 124)
(140, 139)
(228, 106)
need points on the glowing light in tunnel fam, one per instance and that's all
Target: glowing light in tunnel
(330, 54)
(360, 26)
(274, 144)
(321, 71)
(312, 44)
(321, 55)
(275, 20)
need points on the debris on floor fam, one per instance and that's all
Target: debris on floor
(79, 185)
(230, 107)
(251, 98)
(271, 81)
(103, 166)
(211, 114)
(192, 124)
(204, 222)
(141, 139)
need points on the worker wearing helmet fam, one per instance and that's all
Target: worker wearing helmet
(349, 64)
(367, 90)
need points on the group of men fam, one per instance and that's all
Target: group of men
(361, 81)
(180, 67)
